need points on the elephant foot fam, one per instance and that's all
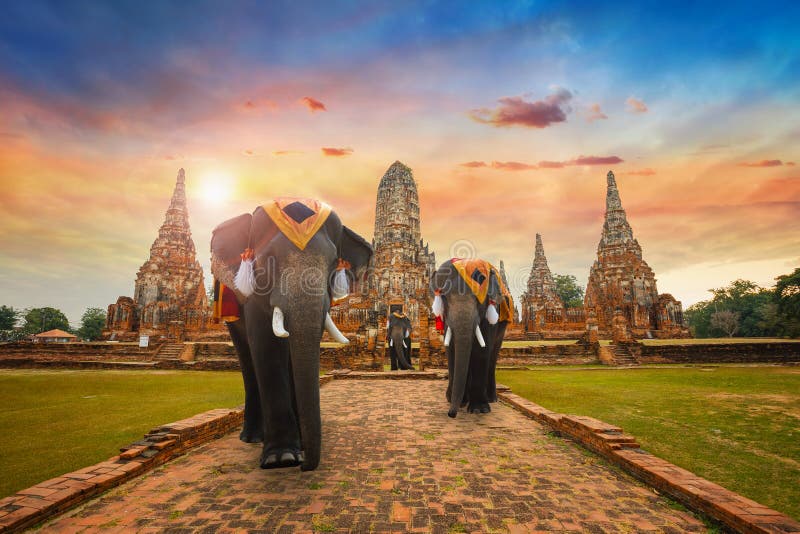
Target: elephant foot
(479, 407)
(277, 458)
(452, 413)
(250, 436)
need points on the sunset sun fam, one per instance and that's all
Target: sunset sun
(215, 187)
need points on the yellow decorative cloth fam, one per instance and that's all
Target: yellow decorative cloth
(475, 274)
(298, 218)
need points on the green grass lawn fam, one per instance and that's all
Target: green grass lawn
(739, 427)
(718, 340)
(54, 422)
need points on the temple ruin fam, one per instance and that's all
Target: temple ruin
(622, 284)
(169, 296)
(401, 265)
(544, 314)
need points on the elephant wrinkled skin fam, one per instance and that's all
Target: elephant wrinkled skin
(277, 336)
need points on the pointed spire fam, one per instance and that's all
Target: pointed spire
(540, 281)
(616, 229)
(503, 273)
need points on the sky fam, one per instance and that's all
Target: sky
(509, 113)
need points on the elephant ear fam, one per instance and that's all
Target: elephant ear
(355, 250)
(228, 241)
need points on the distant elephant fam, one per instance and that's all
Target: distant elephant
(467, 295)
(398, 332)
(284, 263)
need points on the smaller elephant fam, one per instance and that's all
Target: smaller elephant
(474, 306)
(398, 332)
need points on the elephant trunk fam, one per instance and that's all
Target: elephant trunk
(398, 345)
(461, 355)
(305, 323)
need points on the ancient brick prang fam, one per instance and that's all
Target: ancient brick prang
(169, 294)
(621, 279)
(544, 314)
(401, 264)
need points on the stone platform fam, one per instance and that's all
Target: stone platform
(392, 461)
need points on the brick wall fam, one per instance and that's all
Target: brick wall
(721, 353)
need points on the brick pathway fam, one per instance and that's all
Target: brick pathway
(392, 461)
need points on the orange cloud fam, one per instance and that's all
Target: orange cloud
(473, 164)
(513, 166)
(764, 163)
(515, 111)
(595, 113)
(596, 160)
(286, 152)
(313, 104)
(519, 166)
(336, 152)
(642, 172)
(635, 105)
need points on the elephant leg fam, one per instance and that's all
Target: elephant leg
(392, 358)
(491, 387)
(476, 385)
(450, 359)
(253, 428)
(282, 446)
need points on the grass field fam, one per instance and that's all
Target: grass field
(718, 340)
(739, 427)
(58, 421)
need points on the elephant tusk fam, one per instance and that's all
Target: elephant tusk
(391, 342)
(479, 336)
(491, 314)
(447, 335)
(333, 331)
(404, 344)
(277, 323)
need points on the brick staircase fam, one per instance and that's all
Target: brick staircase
(170, 351)
(624, 355)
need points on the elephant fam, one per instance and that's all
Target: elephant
(398, 332)
(285, 263)
(466, 295)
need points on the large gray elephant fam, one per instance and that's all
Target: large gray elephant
(398, 332)
(284, 263)
(476, 307)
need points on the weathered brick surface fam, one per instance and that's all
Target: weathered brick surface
(721, 353)
(392, 461)
(731, 509)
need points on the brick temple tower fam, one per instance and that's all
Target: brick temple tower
(169, 296)
(402, 262)
(540, 301)
(621, 280)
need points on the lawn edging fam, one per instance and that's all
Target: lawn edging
(609, 441)
(55, 496)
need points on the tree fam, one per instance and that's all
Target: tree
(92, 323)
(568, 289)
(787, 293)
(39, 320)
(725, 320)
(8, 317)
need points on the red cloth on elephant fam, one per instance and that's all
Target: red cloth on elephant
(226, 305)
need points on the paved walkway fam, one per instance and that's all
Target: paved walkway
(392, 461)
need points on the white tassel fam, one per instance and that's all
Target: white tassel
(245, 280)
(404, 344)
(447, 335)
(491, 314)
(408, 333)
(337, 335)
(438, 306)
(479, 336)
(340, 285)
(391, 342)
(277, 323)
